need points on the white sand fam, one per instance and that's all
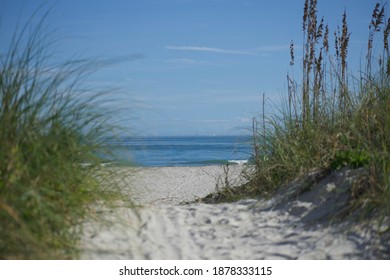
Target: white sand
(249, 229)
(173, 185)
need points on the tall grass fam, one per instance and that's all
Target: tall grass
(50, 132)
(332, 119)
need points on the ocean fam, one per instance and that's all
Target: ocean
(181, 151)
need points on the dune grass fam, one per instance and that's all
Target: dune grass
(331, 119)
(51, 129)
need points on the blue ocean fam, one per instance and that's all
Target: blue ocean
(181, 151)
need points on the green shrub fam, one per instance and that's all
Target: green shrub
(352, 158)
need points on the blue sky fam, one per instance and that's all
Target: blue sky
(190, 67)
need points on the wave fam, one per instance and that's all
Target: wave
(180, 151)
(215, 162)
(239, 162)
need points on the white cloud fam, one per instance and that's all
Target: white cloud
(208, 49)
(263, 50)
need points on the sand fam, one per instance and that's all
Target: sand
(292, 225)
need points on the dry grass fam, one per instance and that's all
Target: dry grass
(324, 123)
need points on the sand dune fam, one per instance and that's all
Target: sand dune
(292, 225)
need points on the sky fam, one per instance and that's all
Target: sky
(189, 67)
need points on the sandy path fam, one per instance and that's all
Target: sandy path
(173, 185)
(249, 229)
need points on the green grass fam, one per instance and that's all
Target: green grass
(50, 127)
(329, 122)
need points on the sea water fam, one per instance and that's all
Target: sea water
(181, 151)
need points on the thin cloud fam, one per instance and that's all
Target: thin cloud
(256, 51)
(186, 61)
(208, 49)
(121, 59)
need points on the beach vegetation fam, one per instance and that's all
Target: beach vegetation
(51, 130)
(332, 117)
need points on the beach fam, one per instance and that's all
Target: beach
(292, 225)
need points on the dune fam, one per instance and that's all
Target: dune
(294, 224)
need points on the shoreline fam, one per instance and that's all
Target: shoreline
(248, 229)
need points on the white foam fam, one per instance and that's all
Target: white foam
(239, 162)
